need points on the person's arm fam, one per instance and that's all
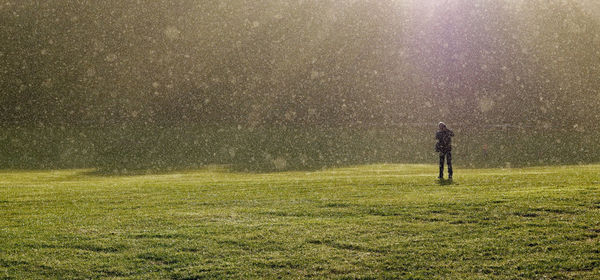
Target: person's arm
(451, 133)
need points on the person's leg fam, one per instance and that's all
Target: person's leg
(449, 159)
(441, 166)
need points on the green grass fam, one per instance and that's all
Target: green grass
(376, 221)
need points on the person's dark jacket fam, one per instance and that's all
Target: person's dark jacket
(444, 143)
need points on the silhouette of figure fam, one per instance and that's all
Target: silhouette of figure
(484, 150)
(444, 147)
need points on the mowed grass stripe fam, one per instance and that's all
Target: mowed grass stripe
(376, 221)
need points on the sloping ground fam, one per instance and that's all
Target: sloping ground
(358, 222)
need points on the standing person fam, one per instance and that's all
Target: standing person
(444, 147)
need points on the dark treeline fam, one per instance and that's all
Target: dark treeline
(150, 148)
(255, 63)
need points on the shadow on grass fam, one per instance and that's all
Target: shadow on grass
(220, 168)
(240, 168)
(236, 167)
(445, 182)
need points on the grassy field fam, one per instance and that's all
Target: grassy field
(376, 221)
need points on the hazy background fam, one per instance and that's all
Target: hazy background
(273, 85)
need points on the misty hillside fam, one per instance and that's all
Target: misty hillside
(275, 85)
